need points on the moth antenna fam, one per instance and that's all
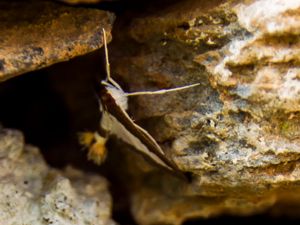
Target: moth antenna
(107, 65)
(162, 91)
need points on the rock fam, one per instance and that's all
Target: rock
(33, 193)
(238, 133)
(30, 41)
(75, 2)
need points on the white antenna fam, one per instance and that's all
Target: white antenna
(107, 65)
(116, 85)
(162, 91)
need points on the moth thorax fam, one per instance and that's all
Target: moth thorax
(119, 96)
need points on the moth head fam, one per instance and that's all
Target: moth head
(119, 96)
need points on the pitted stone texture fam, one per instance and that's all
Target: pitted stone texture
(40, 33)
(238, 132)
(33, 193)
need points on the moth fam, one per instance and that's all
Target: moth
(116, 121)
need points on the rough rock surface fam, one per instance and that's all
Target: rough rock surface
(33, 193)
(75, 2)
(56, 33)
(238, 133)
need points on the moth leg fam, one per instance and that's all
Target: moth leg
(162, 91)
(95, 144)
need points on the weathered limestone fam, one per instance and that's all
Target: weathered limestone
(53, 33)
(238, 133)
(33, 193)
(74, 2)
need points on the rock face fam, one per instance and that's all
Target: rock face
(30, 41)
(238, 133)
(33, 193)
(74, 2)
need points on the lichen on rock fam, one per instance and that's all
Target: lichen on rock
(255, 74)
(33, 193)
(30, 41)
(237, 133)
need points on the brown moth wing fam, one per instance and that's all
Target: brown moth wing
(119, 117)
(114, 127)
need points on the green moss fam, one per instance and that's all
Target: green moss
(290, 129)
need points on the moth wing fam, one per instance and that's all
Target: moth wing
(114, 126)
(115, 120)
(145, 134)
